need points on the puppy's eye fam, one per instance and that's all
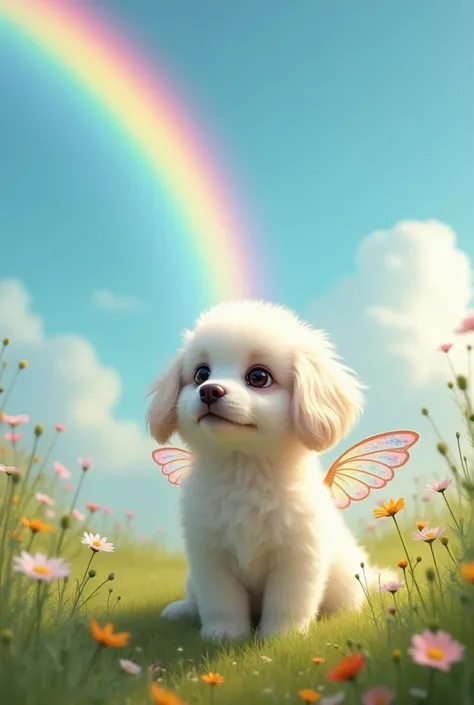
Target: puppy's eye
(202, 374)
(258, 377)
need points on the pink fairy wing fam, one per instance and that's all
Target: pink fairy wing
(175, 463)
(369, 465)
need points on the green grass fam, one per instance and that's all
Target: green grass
(55, 660)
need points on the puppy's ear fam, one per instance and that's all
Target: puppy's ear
(162, 412)
(327, 397)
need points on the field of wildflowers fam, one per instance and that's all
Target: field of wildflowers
(79, 613)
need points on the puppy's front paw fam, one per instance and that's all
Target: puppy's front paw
(271, 627)
(179, 610)
(220, 631)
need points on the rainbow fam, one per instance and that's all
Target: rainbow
(135, 96)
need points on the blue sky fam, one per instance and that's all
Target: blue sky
(338, 118)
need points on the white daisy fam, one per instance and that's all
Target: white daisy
(39, 567)
(96, 543)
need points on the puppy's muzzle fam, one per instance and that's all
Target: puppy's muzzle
(210, 393)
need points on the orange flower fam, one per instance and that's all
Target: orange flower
(403, 563)
(105, 636)
(318, 660)
(389, 509)
(309, 696)
(348, 668)
(213, 678)
(467, 571)
(420, 525)
(36, 526)
(164, 697)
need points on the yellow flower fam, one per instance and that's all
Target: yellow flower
(164, 697)
(309, 696)
(105, 636)
(389, 509)
(420, 525)
(318, 660)
(213, 678)
(403, 563)
(467, 571)
(36, 526)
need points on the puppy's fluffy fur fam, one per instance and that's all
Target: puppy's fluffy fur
(262, 534)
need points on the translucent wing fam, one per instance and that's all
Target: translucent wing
(369, 465)
(175, 463)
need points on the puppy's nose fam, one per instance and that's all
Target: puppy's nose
(210, 393)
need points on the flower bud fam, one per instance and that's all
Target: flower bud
(419, 559)
(39, 430)
(396, 655)
(23, 364)
(65, 522)
(6, 636)
(92, 573)
(433, 627)
(425, 411)
(450, 385)
(111, 576)
(362, 565)
(6, 341)
(461, 382)
(15, 478)
(442, 448)
(430, 575)
(444, 540)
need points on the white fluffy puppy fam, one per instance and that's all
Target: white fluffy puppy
(257, 395)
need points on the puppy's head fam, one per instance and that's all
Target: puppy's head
(251, 377)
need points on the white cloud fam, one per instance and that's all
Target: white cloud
(410, 290)
(107, 301)
(66, 382)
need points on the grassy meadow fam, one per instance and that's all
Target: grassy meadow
(60, 586)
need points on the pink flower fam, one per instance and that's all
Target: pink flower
(85, 463)
(130, 667)
(446, 347)
(8, 469)
(13, 437)
(92, 507)
(14, 421)
(467, 325)
(44, 499)
(435, 650)
(78, 515)
(378, 695)
(428, 535)
(50, 513)
(107, 510)
(393, 586)
(441, 485)
(69, 487)
(130, 515)
(60, 428)
(61, 471)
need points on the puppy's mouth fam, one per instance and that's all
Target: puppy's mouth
(213, 418)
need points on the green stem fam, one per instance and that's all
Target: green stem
(451, 512)
(23, 504)
(82, 584)
(10, 491)
(409, 562)
(437, 569)
(9, 390)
